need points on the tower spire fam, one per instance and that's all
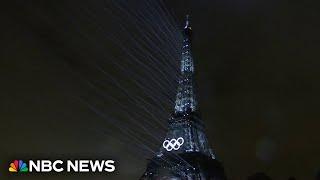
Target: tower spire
(187, 23)
(186, 98)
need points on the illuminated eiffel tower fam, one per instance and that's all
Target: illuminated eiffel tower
(185, 153)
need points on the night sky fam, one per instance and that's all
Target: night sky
(257, 66)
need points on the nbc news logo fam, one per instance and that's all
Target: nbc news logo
(19, 166)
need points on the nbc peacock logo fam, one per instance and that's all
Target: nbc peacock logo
(18, 166)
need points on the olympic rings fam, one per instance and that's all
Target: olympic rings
(173, 144)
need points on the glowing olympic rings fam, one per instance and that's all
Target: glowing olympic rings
(173, 144)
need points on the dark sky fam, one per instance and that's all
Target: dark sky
(257, 70)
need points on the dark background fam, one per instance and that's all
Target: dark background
(258, 77)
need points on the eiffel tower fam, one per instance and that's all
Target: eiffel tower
(185, 153)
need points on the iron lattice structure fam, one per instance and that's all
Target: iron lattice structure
(185, 152)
